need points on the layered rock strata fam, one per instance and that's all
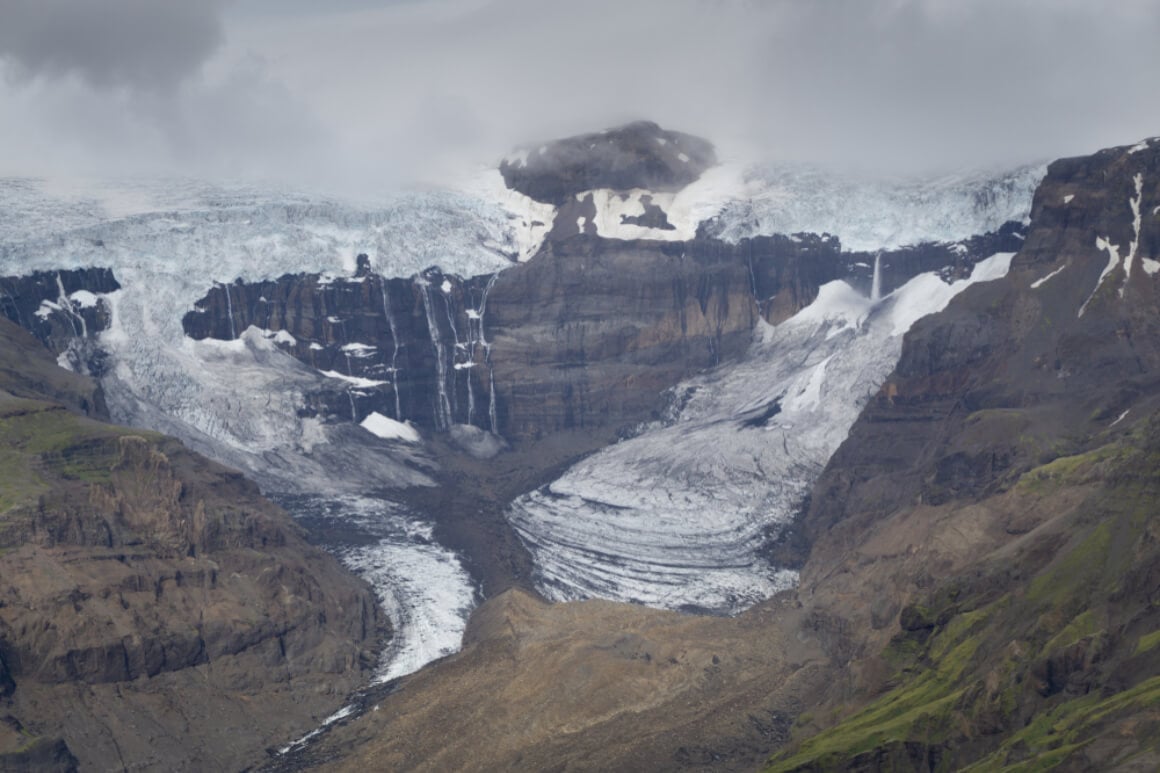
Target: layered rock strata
(153, 602)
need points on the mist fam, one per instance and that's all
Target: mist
(369, 95)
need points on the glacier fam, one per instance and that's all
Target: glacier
(168, 241)
(679, 516)
(237, 401)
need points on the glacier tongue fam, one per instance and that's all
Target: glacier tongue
(239, 401)
(678, 516)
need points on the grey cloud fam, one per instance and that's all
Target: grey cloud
(361, 92)
(149, 44)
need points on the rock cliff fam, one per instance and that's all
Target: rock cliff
(153, 602)
(981, 560)
(586, 336)
(986, 535)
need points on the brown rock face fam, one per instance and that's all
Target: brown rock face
(999, 495)
(1018, 369)
(152, 602)
(592, 686)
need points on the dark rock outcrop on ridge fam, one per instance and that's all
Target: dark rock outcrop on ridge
(637, 155)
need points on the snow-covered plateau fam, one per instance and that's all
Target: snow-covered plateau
(677, 516)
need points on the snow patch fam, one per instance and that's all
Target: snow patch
(285, 337)
(838, 306)
(1150, 266)
(927, 294)
(1040, 282)
(1134, 205)
(359, 350)
(362, 383)
(1113, 251)
(1068, 198)
(389, 429)
(84, 299)
(46, 309)
(1121, 418)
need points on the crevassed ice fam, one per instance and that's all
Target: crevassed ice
(169, 241)
(870, 214)
(678, 516)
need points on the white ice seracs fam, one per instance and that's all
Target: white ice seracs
(871, 214)
(678, 516)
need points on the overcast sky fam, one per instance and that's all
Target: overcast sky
(367, 94)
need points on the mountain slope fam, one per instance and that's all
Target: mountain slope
(152, 602)
(998, 499)
(982, 571)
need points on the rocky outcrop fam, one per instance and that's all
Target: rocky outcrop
(65, 310)
(1054, 352)
(997, 496)
(638, 155)
(153, 601)
(585, 337)
(980, 582)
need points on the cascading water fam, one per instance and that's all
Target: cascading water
(443, 413)
(395, 338)
(491, 410)
(66, 306)
(458, 347)
(230, 311)
(876, 284)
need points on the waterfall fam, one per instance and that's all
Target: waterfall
(67, 307)
(443, 408)
(458, 347)
(876, 285)
(394, 337)
(230, 311)
(491, 412)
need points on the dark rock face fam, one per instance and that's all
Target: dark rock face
(987, 534)
(638, 155)
(64, 310)
(412, 349)
(586, 336)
